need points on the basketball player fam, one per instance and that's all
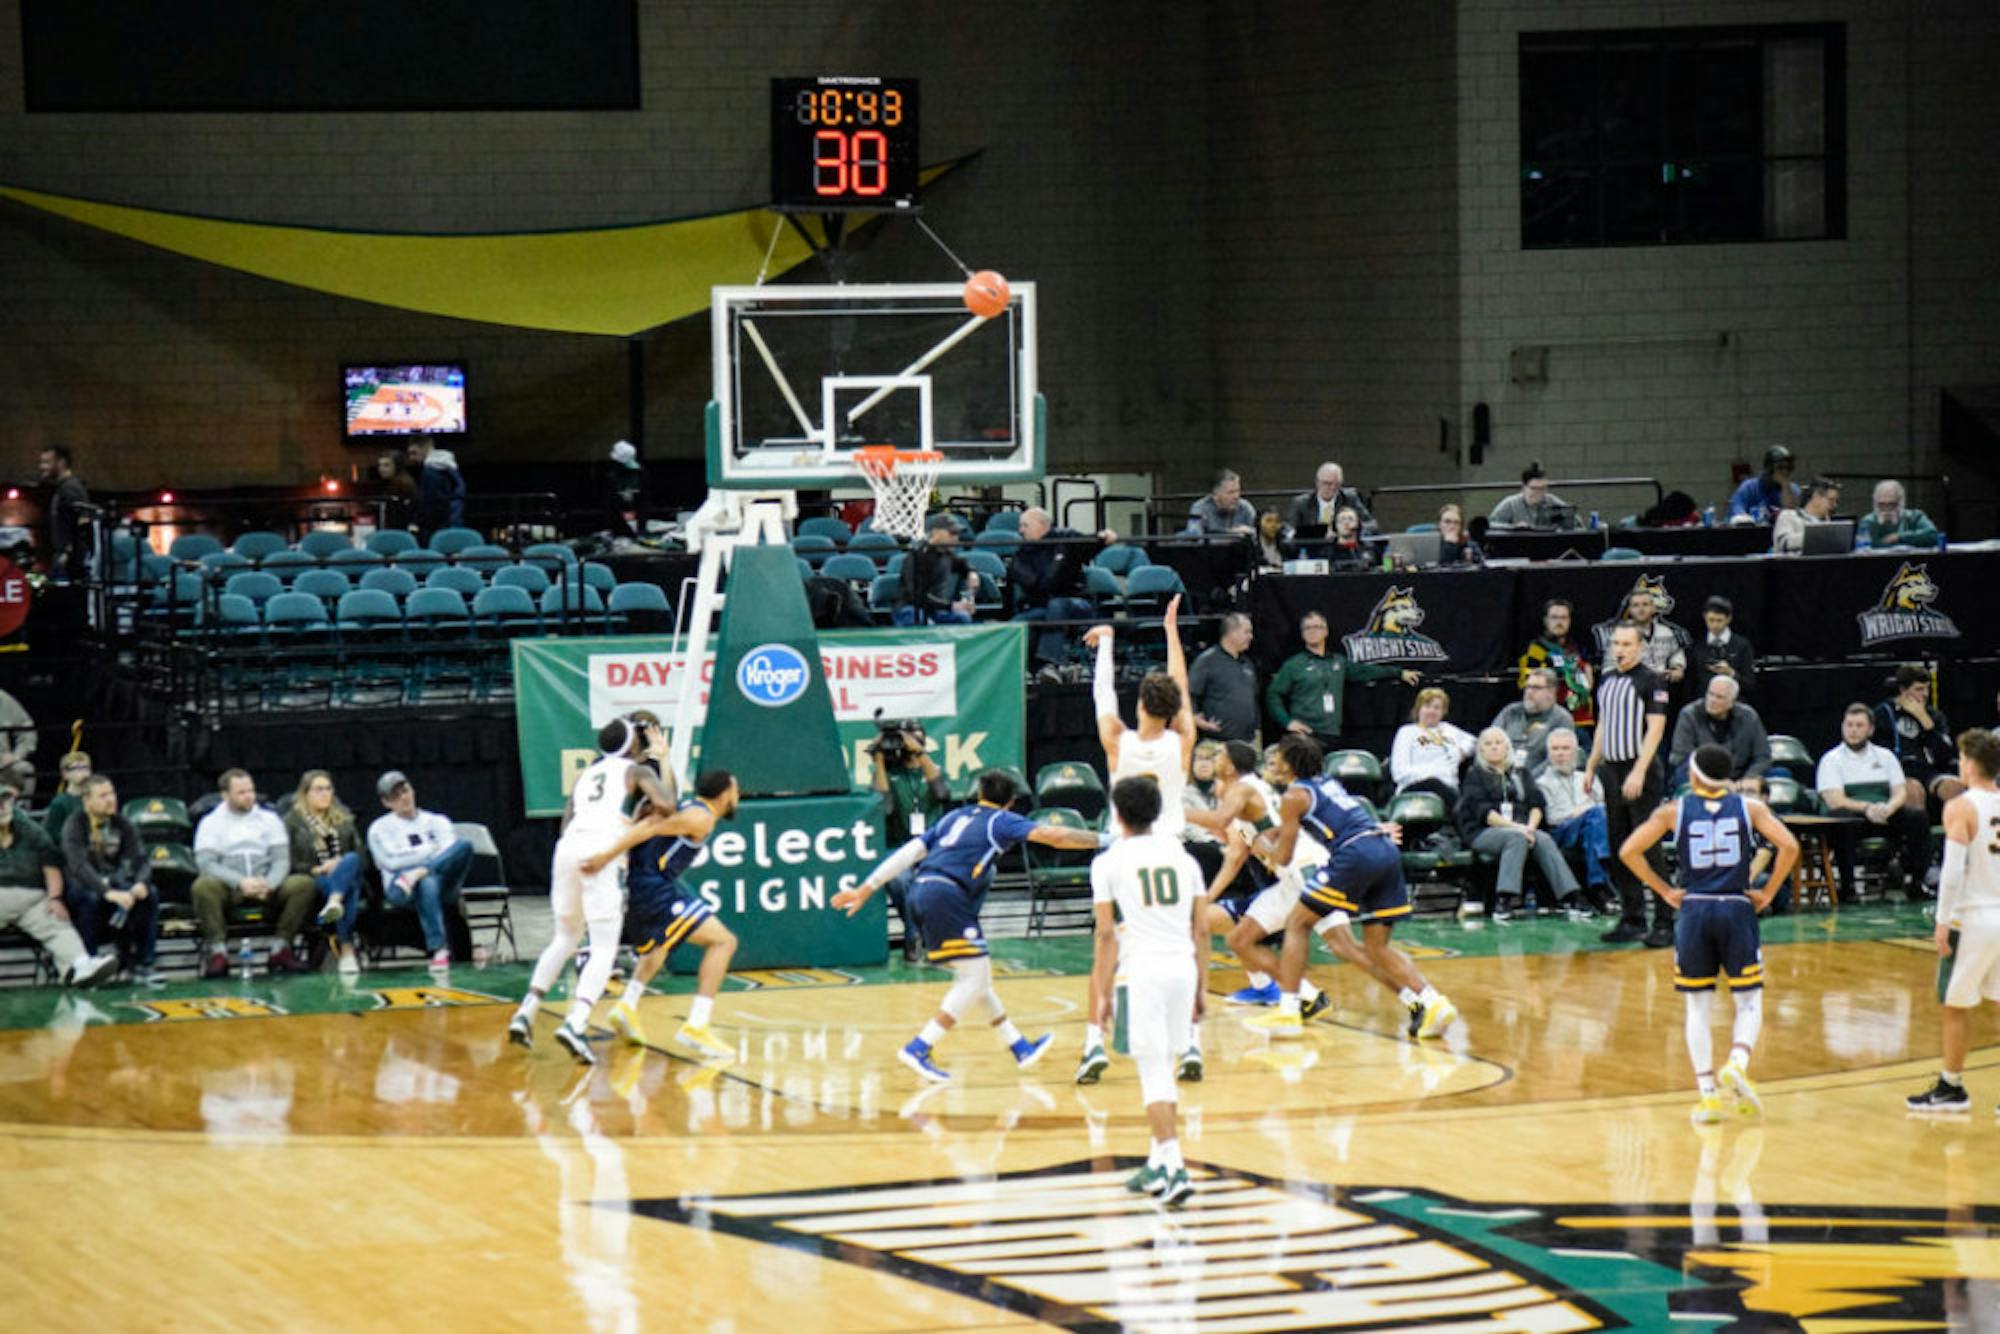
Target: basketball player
(663, 845)
(1145, 894)
(1968, 913)
(1160, 747)
(593, 819)
(1248, 810)
(1716, 830)
(954, 860)
(1363, 875)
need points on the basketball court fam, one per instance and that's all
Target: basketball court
(251, 1153)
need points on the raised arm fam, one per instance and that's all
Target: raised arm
(1104, 693)
(1177, 671)
(1062, 836)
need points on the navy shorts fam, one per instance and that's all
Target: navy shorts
(1363, 876)
(947, 919)
(1717, 935)
(1237, 904)
(660, 915)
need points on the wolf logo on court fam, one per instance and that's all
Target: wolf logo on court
(1907, 610)
(1391, 633)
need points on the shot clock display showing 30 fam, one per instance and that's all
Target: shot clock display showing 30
(844, 143)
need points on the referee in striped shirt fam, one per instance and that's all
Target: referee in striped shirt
(1631, 721)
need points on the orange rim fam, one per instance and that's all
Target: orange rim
(883, 460)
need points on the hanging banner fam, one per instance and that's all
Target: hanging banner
(966, 685)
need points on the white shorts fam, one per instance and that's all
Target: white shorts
(1159, 992)
(1272, 907)
(573, 894)
(1972, 973)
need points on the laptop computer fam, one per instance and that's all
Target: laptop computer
(1835, 537)
(1416, 549)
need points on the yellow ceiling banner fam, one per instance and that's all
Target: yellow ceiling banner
(617, 281)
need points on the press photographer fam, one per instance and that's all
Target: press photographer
(910, 782)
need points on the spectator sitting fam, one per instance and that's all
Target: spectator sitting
(1428, 751)
(1455, 547)
(1223, 511)
(69, 545)
(1347, 551)
(1273, 547)
(1222, 684)
(1574, 812)
(1718, 719)
(1760, 499)
(1045, 580)
(936, 589)
(1857, 761)
(909, 783)
(1662, 644)
(1556, 650)
(1500, 813)
(1528, 721)
(1316, 508)
(422, 860)
(1788, 530)
(1309, 693)
(31, 896)
(105, 884)
(1533, 506)
(1891, 525)
(326, 844)
(1920, 739)
(440, 501)
(245, 855)
(1723, 652)
(17, 745)
(1202, 792)
(74, 769)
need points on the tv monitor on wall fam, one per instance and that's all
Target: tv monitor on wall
(405, 400)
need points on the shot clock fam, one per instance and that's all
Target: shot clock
(840, 143)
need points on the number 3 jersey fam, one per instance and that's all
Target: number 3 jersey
(1155, 886)
(1716, 840)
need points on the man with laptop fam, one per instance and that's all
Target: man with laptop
(1813, 522)
(1534, 505)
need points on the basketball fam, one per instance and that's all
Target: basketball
(986, 294)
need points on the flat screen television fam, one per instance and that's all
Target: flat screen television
(404, 400)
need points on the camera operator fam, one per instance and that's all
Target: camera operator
(910, 783)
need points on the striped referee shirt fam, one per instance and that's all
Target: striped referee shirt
(1624, 701)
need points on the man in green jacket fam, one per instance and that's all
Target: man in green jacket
(1892, 524)
(1308, 694)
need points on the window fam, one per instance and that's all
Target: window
(1683, 136)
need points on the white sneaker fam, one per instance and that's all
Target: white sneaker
(350, 964)
(90, 970)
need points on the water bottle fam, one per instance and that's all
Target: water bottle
(1943, 545)
(1861, 542)
(246, 961)
(1708, 517)
(1595, 522)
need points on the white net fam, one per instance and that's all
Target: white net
(901, 480)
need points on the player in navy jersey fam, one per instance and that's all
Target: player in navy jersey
(954, 860)
(1362, 877)
(664, 914)
(1716, 935)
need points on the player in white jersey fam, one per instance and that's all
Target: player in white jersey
(1246, 815)
(1145, 892)
(1160, 747)
(1968, 913)
(594, 819)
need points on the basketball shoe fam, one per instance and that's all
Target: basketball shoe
(1940, 1097)
(916, 1054)
(625, 1022)
(1027, 1051)
(1191, 1068)
(1708, 1111)
(703, 1040)
(1437, 1018)
(1176, 1190)
(1732, 1077)
(521, 1031)
(1277, 1024)
(1092, 1067)
(575, 1044)
(1148, 1180)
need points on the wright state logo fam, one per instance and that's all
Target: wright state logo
(1907, 610)
(1391, 634)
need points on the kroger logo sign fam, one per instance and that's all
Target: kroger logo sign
(772, 675)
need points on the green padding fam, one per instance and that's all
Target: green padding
(771, 874)
(769, 697)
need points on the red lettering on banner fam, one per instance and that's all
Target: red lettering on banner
(15, 597)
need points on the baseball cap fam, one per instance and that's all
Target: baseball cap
(387, 784)
(622, 452)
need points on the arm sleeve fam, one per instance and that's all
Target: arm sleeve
(1760, 751)
(902, 859)
(76, 854)
(210, 860)
(1400, 751)
(1918, 530)
(1951, 882)
(132, 867)
(300, 838)
(1372, 671)
(389, 859)
(1103, 692)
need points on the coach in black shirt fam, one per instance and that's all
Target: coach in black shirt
(1631, 721)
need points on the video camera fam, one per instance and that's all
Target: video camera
(892, 738)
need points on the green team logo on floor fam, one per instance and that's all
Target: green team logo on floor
(1070, 1246)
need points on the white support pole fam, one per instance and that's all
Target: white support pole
(963, 332)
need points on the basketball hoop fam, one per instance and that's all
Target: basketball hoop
(901, 480)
